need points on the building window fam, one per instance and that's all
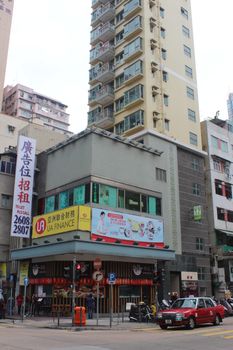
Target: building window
(161, 175)
(165, 100)
(162, 12)
(6, 201)
(133, 94)
(189, 71)
(221, 214)
(162, 33)
(119, 80)
(164, 54)
(190, 92)
(132, 201)
(119, 16)
(119, 104)
(11, 129)
(7, 167)
(134, 119)
(119, 37)
(187, 51)
(201, 273)
(119, 58)
(219, 144)
(184, 12)
(119, 128)
(165, 76)
(186, 31)
(195, 164)
(196, 189)
(49, 204)
(133, 70)
(133, 25)
(193, 139)
(191, 115)
(133, 47)
(199, 243)
(167, 124)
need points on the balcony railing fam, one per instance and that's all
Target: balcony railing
(103, 73)
(103, 119)
(103, 14)
(96, 3)
(104, 53)
(103, 33)
(103, 96)
(131, 8)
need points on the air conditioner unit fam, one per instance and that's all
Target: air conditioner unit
(155, 90)
(153, 44)
(152, 22)
(154, 67)
(152, 3)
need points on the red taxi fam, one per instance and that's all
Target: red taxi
(191, 312)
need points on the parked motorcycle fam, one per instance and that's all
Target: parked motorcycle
(227, 307)
(141, 313)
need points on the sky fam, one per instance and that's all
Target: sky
(49, 52)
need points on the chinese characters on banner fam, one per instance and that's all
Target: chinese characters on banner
(24, 175)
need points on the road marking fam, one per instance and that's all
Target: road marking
(228, 337)
(217, 333)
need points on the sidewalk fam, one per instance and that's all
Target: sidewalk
(66, 323)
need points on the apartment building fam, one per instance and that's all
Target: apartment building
(217, 139)
(23, 102)
(6, 9)
(189, 273)
(230, 106)
(142, 73)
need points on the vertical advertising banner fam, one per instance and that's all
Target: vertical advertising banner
(24, 266)
(24, 175)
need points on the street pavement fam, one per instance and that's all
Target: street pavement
(118, 323)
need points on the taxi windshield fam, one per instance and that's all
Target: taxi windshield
(184, 303)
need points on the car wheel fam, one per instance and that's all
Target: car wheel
(162, 326)
(217, 320)
(191, 323)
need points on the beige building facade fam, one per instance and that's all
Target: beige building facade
(10, 129)
(6, 9)
(142, 73)
(25, 103)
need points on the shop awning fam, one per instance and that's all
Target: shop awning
(228, 233)
(89, 250)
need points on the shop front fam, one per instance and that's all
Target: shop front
(50, 277)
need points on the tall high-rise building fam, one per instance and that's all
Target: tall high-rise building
(23, 102)
(142, 73)
(6, 9)
(230, 106)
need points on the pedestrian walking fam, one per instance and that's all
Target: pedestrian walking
(90, 305)
(19, 301)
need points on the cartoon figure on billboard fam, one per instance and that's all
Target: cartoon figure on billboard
(101, 227)
(150, 230)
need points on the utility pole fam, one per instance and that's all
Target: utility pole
(73, 290)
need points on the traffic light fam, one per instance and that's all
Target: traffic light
(159, 276)
(163, 275)
(77, 271)
(68, 271)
